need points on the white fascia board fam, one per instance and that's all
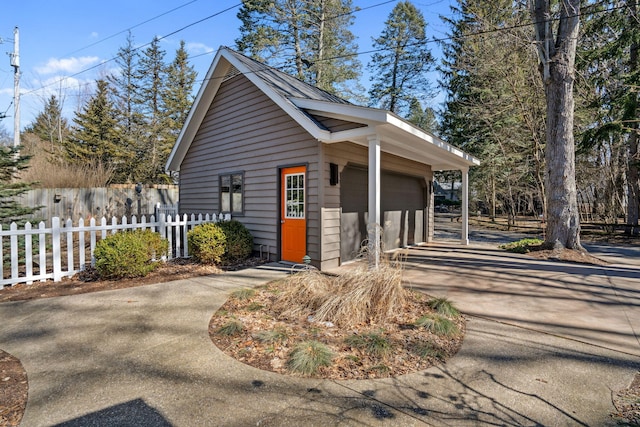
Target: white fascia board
(198, 111)
(459, 155)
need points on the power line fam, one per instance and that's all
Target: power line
(131, 28)
(136, 49)
(367, 52)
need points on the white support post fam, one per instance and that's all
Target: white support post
(464, 238)
(374, 224)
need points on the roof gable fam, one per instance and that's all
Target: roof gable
(304, 103)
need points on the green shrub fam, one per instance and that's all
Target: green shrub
(308, 356)
(128, 254)
(207, 243)
(239, 241)
(522, 246)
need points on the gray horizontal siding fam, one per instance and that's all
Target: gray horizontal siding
(245, 131)
(343, 154)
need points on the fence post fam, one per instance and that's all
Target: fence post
(55, 241)
(14, 251)
(28, 252)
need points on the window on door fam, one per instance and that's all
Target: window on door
(294, 193)
(232, 193)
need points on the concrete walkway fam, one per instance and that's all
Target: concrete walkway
(547, 344)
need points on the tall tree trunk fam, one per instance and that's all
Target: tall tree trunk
(557, 56)
(633, 177)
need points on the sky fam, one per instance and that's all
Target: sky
(65, 45)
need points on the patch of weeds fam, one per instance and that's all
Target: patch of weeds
(372, 343)
(353, 358)
(243, 294)
(308, 356)
(222, 313)
(427, 349)
(254, 306)
(522, 246)
(444, 307)
(276, 335)
(438, 325)
(232, 327)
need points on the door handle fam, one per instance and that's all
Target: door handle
(282, 221)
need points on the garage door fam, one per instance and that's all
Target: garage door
(403, 204)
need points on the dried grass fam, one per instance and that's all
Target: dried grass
(305, 292)
(359, 296)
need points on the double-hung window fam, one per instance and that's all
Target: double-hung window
(231, 193)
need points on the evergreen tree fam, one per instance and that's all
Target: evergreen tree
(11, 163)
(151, 75)
(125, 84)
(176, 97)
(493, 106)
(309, 39)
(399, 68)
(424, 118)
(609, 61)
(176, 101)
(49, 125)
(95, 136)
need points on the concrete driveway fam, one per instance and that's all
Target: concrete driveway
(546, 344)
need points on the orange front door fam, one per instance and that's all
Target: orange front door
(293, 215)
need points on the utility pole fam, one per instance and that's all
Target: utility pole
(15, 63)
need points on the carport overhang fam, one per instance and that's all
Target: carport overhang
(383, 131)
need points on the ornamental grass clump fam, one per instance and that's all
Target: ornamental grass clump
(232, 327)
(309, 356)
(438, 325)
(372, 343)
(443, 306)
(358, 296)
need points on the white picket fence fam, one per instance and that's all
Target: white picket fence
(45, 249)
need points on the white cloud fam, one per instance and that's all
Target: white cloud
(198, 48)
(67, 65)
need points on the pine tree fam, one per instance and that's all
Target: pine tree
(399, 68)
(610, 63)
(124, 85)
(11, 163)
(50, 125)
(95, 135)
(493, 106)
(151, 75)
(176, 101)
(309, 39)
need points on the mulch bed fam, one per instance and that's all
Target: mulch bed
(14, 389)
(257, 315)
